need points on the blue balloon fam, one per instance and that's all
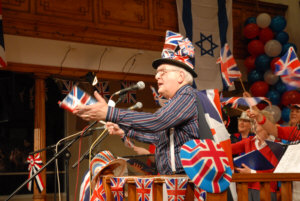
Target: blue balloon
(254, 76)
(250, 20)
(282, 37)
(280, 87)
(286, 47)
(278, 23)
(285, 114)
(262, 62)
(273, 96)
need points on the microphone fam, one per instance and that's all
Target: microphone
(138, 105)
(138, 86)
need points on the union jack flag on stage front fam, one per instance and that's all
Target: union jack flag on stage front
(176, 188)
(171, 40)
(103, 89)
(117, 187)
(245, 101)
(288, 68)
(99, 192)
(75, 97)
(229, 69)
(67, 86)
(130, 96)
(159, 99)
(199, 194)
(144, 189)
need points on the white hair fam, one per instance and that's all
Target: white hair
(188, 78)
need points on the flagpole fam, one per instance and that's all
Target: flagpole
(242, 84)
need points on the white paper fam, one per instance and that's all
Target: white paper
(290, 161)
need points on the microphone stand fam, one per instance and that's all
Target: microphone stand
(50, 161)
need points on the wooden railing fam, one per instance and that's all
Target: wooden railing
(241, 180)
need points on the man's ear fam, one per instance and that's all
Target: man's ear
(181, 77)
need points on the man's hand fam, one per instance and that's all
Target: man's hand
(114, 129)
(97, 111)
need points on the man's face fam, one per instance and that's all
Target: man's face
(244, 125)
(168, 80)
(294, 115)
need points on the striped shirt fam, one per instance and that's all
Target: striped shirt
(180, 113)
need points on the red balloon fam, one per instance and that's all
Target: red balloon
(256, 47)
(250, 63)
(251, 31)
(259, 89)
(290, 97)
(272, 64)
(266, 34)
(261, 106)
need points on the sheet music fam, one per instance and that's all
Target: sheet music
(290, 161)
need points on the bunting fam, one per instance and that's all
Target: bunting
(35, 164)
(117, 187)
(99, 192)
(176, 188)
(159, 99)
(130, 96)
(199, 194)
(144, 188)
(103, 89)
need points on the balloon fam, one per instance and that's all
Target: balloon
(254, 76)
(278, 23)
(266, 34)
(250, 20)
(270, 77)
(290, 97)
(273, 96)
(263, 20)
(282, 37)
(285, 114)
(251, 31)
(262, 62)
(273, 48)
(275, 111)
(249, 62)
(261, 106)
(280, 87)
(255, 47)
(286, 47)
(259, 88)
(272, 64)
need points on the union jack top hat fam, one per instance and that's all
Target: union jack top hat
(177, 51)
(206, 164)
(106, 160)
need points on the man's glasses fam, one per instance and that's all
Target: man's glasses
(162, 72)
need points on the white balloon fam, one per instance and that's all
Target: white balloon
(263, 20)
(273, 48)
(275, 111)
(270, 77)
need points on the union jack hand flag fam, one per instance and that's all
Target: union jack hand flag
(245, 101)
(99, 192)
(199, 194)
(229, 69)
(75, 97)
(67, 86)
(130, 96)
(35, 163)
(176, 188)
(117, 187)
(288, 68)
(144, 189)
(171, 40)
(103, 89)
(159, 99)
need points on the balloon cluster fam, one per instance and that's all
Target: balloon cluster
(267, 43)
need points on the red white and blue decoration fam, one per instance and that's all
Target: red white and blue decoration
(206, 164)
(75, 97)
(199, 194)
(105, 159)
(84, 193)
(117, 187)
(130, 96)
(159, 99)
(178, 51)
(103, 89)
(99, 192)
(35, 164)
(144, 188)
(67, 86)
(176, 188)
(3, 62)
(245, 101)
(229, 68)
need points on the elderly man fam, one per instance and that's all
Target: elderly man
(172, 125)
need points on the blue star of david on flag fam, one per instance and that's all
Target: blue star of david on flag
(201, 44)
